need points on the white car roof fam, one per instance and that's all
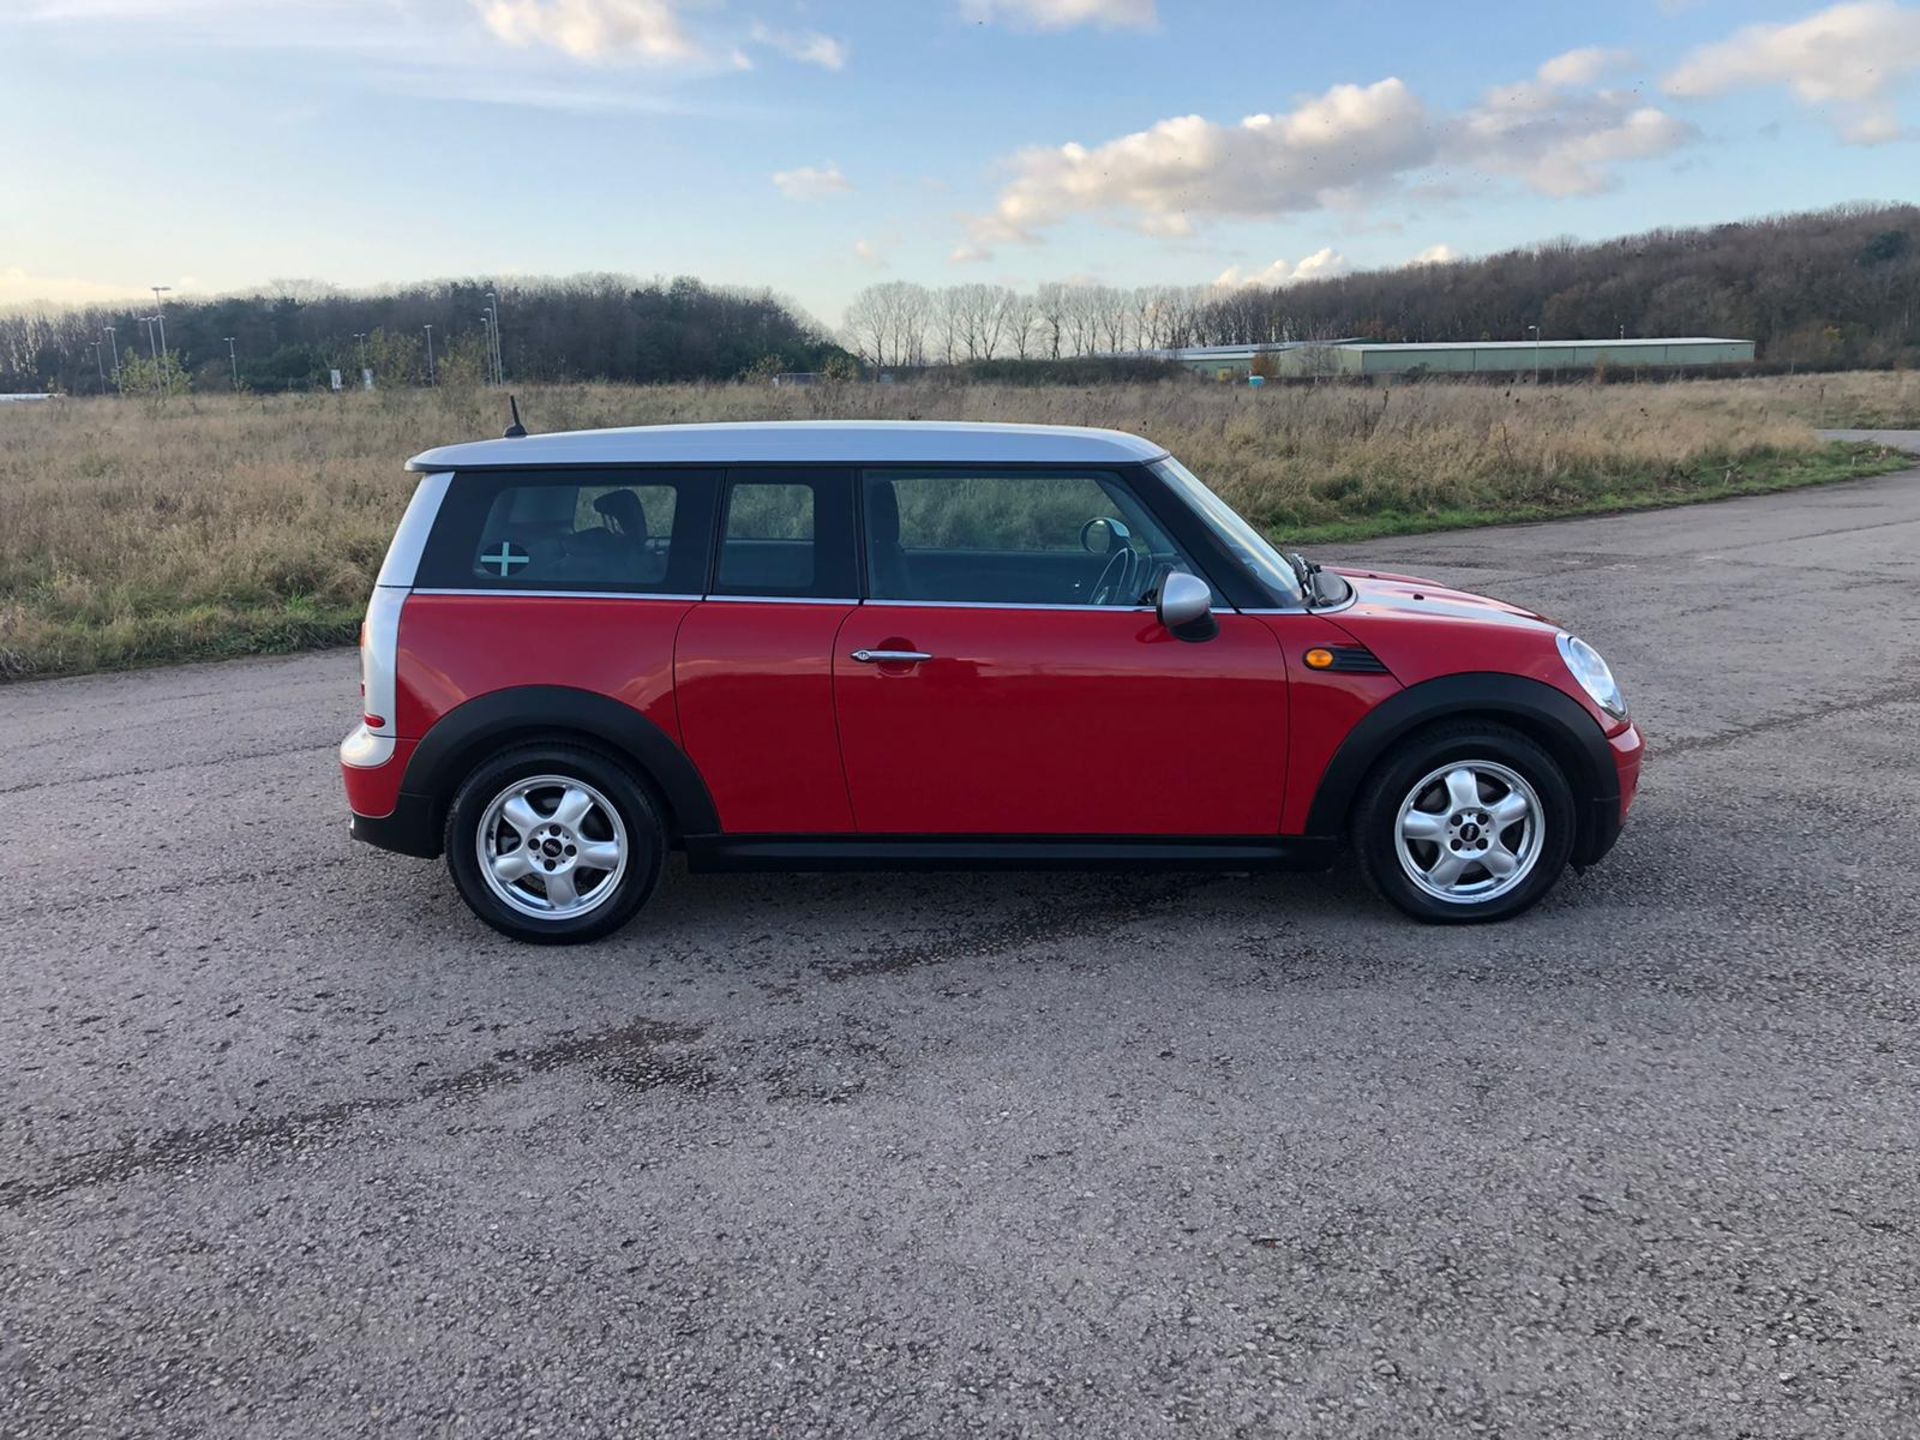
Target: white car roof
(845, 442)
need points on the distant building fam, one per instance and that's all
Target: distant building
(29, 397)
(797, 377)
(1360, 358)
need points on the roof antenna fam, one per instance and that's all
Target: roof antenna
(516, 430)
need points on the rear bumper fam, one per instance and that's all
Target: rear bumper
(373, 769)
(409, 830)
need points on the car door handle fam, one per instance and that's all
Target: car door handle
(891, 657)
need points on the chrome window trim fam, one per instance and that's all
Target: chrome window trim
(1008, 605)
(402, 563)
(780, 599)
(561, 594)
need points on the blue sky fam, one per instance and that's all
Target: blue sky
(819, 147)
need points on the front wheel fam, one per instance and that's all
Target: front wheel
(1465, 823)
(554, 844)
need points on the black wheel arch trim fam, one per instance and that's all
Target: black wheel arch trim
(1548, 716)
(528, 714)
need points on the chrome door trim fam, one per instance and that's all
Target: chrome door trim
(890, 657)
(1004, 605)
(778, 600)
(562, 594)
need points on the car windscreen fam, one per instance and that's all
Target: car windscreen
(1263, 563)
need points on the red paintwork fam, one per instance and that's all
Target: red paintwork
(1028, 721)
(1060, 722)
(374, 792)
(755, 684)
(1628, 751)
(1325, 706)
(456, 647)
(1423, 631)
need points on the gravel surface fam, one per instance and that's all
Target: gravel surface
(290, 1145)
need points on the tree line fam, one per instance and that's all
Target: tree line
(1822, 290)
(1829, 289)
(600, 327)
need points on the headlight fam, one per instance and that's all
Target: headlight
(1595, 678)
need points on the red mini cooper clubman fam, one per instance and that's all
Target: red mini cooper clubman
(808, 646)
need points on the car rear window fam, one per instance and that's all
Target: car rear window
(638, 532)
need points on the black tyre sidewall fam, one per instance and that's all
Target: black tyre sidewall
(645, 834)
(1378, 812)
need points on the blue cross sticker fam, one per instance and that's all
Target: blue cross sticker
(505, 559)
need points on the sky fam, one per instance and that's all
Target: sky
(818, 146)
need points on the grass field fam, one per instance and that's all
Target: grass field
(224, 525)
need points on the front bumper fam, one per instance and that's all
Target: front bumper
(1607, 815)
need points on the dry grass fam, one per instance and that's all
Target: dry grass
(224, 525)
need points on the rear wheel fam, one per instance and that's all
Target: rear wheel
(554, 844)
(1465, 823)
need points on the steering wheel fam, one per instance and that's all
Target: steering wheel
(1116, 577)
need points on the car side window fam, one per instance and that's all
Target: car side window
(640, 533)
(787, 534)
(1012, 538)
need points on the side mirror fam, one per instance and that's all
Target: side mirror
(1185, 606)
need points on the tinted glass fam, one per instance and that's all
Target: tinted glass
(1013, 538)
(787, 534)
(569, 531)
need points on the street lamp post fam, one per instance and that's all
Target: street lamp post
(153, 349)
(499, 355)
(114, 341)
(431, 381)
(486, 327)
(100, 365)
(1536, 352)
(233, 359)
(161, 306)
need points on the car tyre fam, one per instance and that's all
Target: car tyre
(1465, 823)
(554, 844)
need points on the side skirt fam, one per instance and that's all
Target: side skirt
(713, 853)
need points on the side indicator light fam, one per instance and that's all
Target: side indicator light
(374, 722)
(1319, 658)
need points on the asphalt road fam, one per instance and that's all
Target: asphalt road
(290, 1145)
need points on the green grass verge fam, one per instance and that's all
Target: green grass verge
(55, 644)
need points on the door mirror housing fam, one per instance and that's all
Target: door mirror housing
(1185, 606)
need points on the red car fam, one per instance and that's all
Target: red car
(809, 646)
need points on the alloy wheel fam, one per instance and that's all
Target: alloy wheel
(552, 847)
(1470, 831)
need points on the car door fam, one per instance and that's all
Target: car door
(753, 661)
(1007, 674)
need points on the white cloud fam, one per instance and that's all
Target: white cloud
(811, 48)
(1435, 255)
(1064, 14)
(1265, 165)
(1583, 67)
(1320, 265)
(969, 254)
(647, 31)
(1849, 57)
(811, 182)
(869, 255)
(1335, 151)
